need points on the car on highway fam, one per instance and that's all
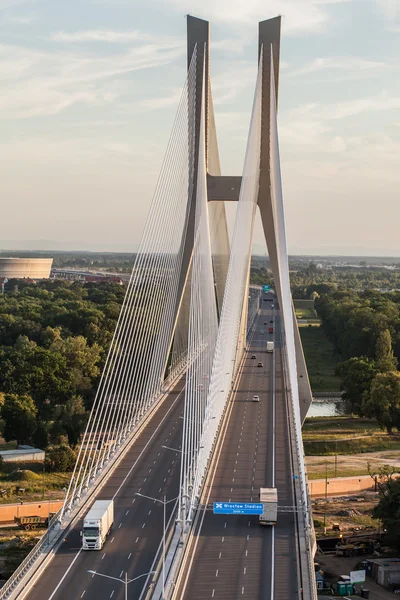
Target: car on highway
(253, 356)
(260, 364)
(271, 321)
(265, 323)
(272, 305)
(256, 398)
(261, 330)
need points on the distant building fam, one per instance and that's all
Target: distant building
(86, 276)
(25, 268)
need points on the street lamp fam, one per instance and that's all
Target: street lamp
(125, 581)
(173, 449)
(164, 502)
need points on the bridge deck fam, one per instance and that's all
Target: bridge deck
(232, 557)
(137, 531)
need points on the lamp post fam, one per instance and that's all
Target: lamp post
(164, 502)
(125, 581)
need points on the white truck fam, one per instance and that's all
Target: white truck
(270, 346)
(97, 524)
(269, 499)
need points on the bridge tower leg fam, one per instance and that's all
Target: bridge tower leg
(198, 40)
(269, 45)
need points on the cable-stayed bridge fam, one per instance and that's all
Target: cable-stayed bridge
(173, 426)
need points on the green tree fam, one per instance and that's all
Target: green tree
(60, 458)
(383, 400)
(73, 419)
(388, 510)
(19, 416)
(385, 359)
(357, 374)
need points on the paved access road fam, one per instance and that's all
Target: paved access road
(232, 557)
(137, 532)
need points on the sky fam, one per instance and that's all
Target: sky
(89, 90)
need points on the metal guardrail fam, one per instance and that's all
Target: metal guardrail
(53, 532)
(16, 577)
(303, 513)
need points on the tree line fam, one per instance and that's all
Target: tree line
(53, 342)
(364, 328)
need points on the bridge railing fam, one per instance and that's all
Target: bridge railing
(306, 533)
(54, 531)
(43, 544)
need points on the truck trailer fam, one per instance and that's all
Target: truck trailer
(270, 346)
(97, 524)
(269, 499)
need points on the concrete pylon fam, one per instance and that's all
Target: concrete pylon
(269, 46)
(227, 188)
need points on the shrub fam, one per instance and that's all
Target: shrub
(60, 458)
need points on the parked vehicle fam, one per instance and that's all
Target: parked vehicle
(269, 499)
(31, 522)
(97, 524)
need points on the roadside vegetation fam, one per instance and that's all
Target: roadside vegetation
(320, 360)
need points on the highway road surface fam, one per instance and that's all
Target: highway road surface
(232, 556)
(137, 532)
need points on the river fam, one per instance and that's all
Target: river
(327, 407)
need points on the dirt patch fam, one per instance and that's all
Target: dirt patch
(349, 465)
(353, 513)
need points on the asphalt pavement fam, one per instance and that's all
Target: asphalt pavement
(137, 532)
(232, 556)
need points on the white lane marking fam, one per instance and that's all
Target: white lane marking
(150, 470)
(248, 537)
(242, 591)
(212, 595)
(93, 574)
(119, 526)
(112, 594)
(244, 571)
(127, 512)
(136, 541)
(103, 555)
(64, 576)
(112, 541)
(120, 575)
(220, 555)
(160, 489)
(149, 512)
(143, 525)
(130, 554)
(148, 443)
(139, 490)
(246, 552)
(216, 573)
(133, 501)
(144, 480)
(83, 593)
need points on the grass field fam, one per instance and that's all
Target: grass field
(321, 364)
(305, 310)
(346, 435)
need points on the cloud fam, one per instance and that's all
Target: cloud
(341, 63)
(114, 37)
(21, 20)
(307, 16)
(391, 12)
(37, 83)
(341, 110)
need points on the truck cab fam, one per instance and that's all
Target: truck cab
(97, 524)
